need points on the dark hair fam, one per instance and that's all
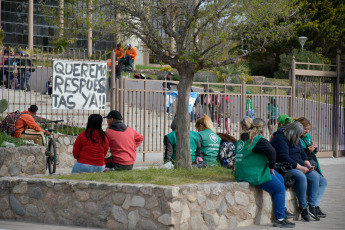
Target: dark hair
(119, 44)
(94, 123)
(33, 108)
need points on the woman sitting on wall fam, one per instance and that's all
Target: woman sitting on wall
(90, 147)
(310, 149)
(255, 160)
(210, 141)
(170, 142)
(289, 149)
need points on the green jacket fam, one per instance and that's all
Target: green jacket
(209, 146)
(194, 137)
(272, 111)
(250, 166)
(306, 142)
(248, 104)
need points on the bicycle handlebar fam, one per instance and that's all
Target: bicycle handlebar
(49, 122)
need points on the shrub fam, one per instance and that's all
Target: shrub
(247, 79)
(166, 69)
(267, 89)
(6, 137)
(300, 56)
(69, 130)
(63, 43)
(223, 72)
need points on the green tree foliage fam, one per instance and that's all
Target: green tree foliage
(74, 18)
(322, 21)
(3, 105)
(192, 35)
(223, 72)
(263, 63)
(324, 26)
(300, 56)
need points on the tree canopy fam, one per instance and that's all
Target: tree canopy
(324, 26)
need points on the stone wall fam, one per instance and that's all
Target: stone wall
(64, 147)
(24, 160)
(126, 206)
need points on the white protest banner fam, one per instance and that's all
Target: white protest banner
(79, 85)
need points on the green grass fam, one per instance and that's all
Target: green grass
(69, 130)
(147, 67)
(157, 176)
(6, 137)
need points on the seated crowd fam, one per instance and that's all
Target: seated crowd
(253, 157)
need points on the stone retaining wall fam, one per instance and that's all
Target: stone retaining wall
(126, 206)
(64, 147)
(24, 160)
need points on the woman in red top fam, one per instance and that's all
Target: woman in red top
(90, 147)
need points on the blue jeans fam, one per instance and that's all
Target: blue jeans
(311, 183)
(322, 188)
(79, 167)
(277, 189)
(250, 113)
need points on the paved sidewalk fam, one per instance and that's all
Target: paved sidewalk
(333, 204)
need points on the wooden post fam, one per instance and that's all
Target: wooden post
(293, 87)
(31, 25)
(244, 98)
(112, 81)
(144, 134)
(120, 96)
(89, 31)
(336, 109)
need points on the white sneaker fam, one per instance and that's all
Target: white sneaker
(168, 165)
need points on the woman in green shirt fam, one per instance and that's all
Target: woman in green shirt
(255, 160)
(310, 149)
(209, 140)
(170, 146)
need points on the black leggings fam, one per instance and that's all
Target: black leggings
(110, 164)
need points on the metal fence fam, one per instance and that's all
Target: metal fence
(143, 103)
(318, 90)
(36, 72)
(145, 107)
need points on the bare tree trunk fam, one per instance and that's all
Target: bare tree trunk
(183, 158)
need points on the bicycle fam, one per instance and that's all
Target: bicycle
(51, 154)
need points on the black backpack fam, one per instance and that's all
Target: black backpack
(227, 154)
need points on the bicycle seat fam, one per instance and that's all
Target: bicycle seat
(50, 130)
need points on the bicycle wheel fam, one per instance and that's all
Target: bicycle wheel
(51, 160)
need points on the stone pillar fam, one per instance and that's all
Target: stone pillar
(89, 32)
(31, 25)
(61, 18)
(146, 55)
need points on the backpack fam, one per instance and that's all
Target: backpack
(227, 154)
(9, 123)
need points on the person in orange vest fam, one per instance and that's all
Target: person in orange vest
(119, 53)
(130, 55)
